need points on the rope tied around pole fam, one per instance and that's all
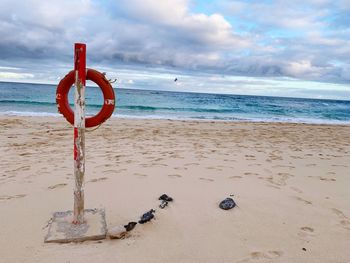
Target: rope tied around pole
(94, 129)
(109, 80)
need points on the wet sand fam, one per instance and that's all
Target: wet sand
(290, 182)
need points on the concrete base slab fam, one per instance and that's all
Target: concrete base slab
(61, 229)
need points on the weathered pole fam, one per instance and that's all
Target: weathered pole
(79, 131)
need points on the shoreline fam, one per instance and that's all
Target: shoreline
(290, 183)
(134, 117)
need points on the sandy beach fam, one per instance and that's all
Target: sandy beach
(290, 183)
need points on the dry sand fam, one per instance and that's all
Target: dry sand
(290, 182)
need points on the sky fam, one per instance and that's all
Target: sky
(298, 48)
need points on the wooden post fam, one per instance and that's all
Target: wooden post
(79, 131)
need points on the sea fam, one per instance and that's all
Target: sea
(23, 99)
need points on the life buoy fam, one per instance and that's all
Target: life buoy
(108, 98)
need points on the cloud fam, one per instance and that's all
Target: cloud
(168, 12)
(15, 75)
(174, 15)
(307, 40)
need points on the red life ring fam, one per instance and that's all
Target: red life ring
(108, 98)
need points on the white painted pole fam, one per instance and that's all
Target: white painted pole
(79, 131)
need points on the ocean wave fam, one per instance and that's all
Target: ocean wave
(128, 107)
(41, 103)
(28, 102)
(191, 118)
(30, 113)
(177, 109)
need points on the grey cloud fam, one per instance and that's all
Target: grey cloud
(166, 33)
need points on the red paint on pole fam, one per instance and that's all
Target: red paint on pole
(75, 143)
(80, 66)
(80, 61)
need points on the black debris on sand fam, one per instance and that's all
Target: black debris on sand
(130, 226)
(227, 204)
(165, 197)
(163, 204)
(165, 200)
(147, 216)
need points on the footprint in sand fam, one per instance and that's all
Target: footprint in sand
(339, 165)
(269, 254)
(258, 255)
(206, 179)
(141, 175)
(235, 176)
(22, 168)
(327, 179)
(306, 232)
(190, 164)
(180, 168)
(273, 186)
(255, 164)
(159, 164)
(310, 165)
(9, 197)
(174, 175)
(250, 157)
(296, 157)
(279, 179)
(275, 157)
(321, 178)
(296, 189)
(119, 170)
(146, 165)
(344, 220)
(283, 166)
(98, 179)
(307, 229)
(109, 171)
(303, 200)
(57, 186)
(213, 168)
(249, 173)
